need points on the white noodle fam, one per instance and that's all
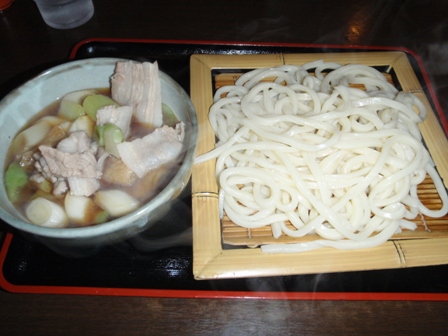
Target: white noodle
(328, 158)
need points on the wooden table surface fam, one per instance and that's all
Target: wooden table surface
(28, 46)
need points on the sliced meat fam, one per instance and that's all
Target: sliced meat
(83, 186)
(76, 142)
(78, 172)
(155, 149)
(43, 168)
(61, 164)
(60, 187)
(138, 85)
(37, 177)
(120, 116)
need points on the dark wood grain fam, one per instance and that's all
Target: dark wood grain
(77, 315)
(28, 46)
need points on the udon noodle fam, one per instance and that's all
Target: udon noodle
(339, 155)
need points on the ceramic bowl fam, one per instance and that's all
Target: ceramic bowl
(24, 102)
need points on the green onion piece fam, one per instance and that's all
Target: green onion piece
(101, 217)
(169, 117)
(80, 95)
(15, 179)
(98, 135)
(94, 102)
(70, 110)
(112, 137)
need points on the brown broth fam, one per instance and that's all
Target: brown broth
(142, 189)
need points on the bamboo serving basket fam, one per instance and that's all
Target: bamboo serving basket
(222, 249)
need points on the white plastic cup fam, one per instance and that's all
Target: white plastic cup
(65, 14)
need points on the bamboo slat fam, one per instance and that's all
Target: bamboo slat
(431, 130)
(212, 237)
(201, 91)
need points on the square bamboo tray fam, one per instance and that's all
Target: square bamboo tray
(221, 249)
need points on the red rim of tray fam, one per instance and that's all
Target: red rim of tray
(184, 293)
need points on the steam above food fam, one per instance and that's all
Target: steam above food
(324, 148)
(96, 154)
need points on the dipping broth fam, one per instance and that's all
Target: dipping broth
(102, 182)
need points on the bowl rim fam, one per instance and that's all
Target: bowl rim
(122, 222)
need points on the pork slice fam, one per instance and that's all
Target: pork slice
(60, 187)
(76, 142)
(121, 82)
(155, 149)
(120, 116)
(44, 170)
(138, 85)
(62, 164)
(150, 109)
(83, 186)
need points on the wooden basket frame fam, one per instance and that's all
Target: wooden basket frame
(211, 261)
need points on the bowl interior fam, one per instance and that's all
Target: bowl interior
(18, 107)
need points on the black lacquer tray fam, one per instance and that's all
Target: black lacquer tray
(158, 264)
